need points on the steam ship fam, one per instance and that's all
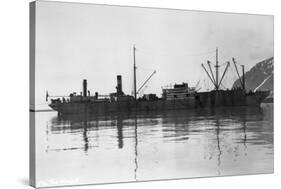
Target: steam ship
(176, 97)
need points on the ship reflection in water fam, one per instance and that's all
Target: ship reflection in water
(175, 144)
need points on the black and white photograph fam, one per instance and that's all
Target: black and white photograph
(129, 94)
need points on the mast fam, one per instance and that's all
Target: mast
(216, 80)
(243, 77)
(217, 71)
(135, 77)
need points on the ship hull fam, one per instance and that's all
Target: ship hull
(202, 100)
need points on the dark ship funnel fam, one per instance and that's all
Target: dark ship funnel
(119, 85)
(84, 87)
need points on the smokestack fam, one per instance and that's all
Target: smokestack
(84, 87)
(119, 85)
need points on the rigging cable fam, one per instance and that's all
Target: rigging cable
(173, 55)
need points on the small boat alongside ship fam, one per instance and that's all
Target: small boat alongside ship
(176, 97)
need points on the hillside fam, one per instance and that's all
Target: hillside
(261, 76)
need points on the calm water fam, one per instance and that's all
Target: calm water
(177, 144)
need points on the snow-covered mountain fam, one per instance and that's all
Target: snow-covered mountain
(259, 77)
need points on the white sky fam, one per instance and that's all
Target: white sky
(76, 41)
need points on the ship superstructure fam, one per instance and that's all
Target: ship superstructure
(178, 92)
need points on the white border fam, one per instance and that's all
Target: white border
(14, 95)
